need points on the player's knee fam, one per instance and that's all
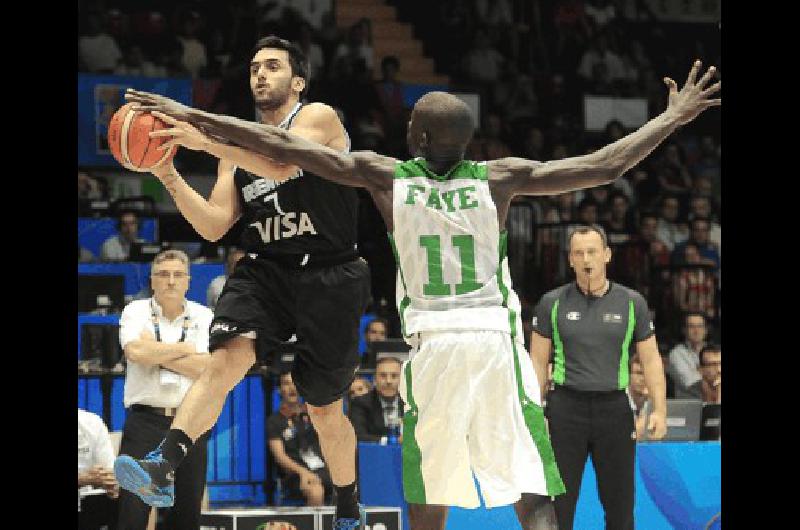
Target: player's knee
(326, 416)
(228, 365)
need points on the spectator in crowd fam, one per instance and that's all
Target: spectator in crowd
(693, 286)
(118, 247)
(700, 207)
(646, 188)
(498, 17)
(216, 285)
(97, 50)
(393, 115)
(359, 387)
(618, 223)
(600, 60)
(85, 255)
(482, 63)
(494, 13)
(312, 50)
(165, 340)
(587, 211)
(707, 162)
(705, 186)
(601, 13)
(684, 358)
(294, 445)
(194, 58)
(711, 370)
(97, 487)
(572, 31)
(700, 237)
(456, 21)
(489, 144)
(357, 47)
(673, 175)
(374, 413)
(639, 395)
(533, 147)
(522, 102)
(648, 234)
(670, 229)
(376, 330)
(89, 187)
(135, 63)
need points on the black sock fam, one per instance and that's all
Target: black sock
(175, 447)
(347, 501)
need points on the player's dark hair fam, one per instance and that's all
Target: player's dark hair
(297, 59)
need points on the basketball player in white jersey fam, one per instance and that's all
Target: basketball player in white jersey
(473, 400)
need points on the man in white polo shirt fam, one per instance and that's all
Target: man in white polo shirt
(165, 340)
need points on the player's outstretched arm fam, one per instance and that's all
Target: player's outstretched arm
(361, 168)
(183, 133)
(527, 177)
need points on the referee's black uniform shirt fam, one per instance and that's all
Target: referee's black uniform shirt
(588, 410)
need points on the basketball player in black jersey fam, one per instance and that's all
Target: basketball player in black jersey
(301, 275)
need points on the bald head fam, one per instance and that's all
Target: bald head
(441, 126)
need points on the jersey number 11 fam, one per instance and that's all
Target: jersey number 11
(436, 285)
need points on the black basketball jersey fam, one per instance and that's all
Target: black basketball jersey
(304, 214)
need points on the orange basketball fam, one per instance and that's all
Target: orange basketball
(130, 142)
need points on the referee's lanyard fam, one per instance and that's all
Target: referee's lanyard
(157, 329)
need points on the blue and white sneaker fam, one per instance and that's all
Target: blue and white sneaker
(344, 523)
(152, 478)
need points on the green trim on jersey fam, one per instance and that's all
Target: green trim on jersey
(406, 301)
(418, 167)
(531, 412)
(626, 344)
(559, 371)
(413, 483)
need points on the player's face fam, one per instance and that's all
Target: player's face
(271, 79)
(387, 379)
(287, 389)
(170, 281)
(588, 257)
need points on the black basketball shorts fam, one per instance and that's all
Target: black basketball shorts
(322, 305)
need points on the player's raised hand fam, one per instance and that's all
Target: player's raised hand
(180, 133)
(695, 96)
(150, 102)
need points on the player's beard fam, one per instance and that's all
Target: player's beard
(275, 98)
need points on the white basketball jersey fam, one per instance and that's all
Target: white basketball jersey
(453, 270)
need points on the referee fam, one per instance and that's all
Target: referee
(589, 325)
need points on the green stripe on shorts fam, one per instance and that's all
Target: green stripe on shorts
(534, 420)
(533, 413)
(413, 485)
